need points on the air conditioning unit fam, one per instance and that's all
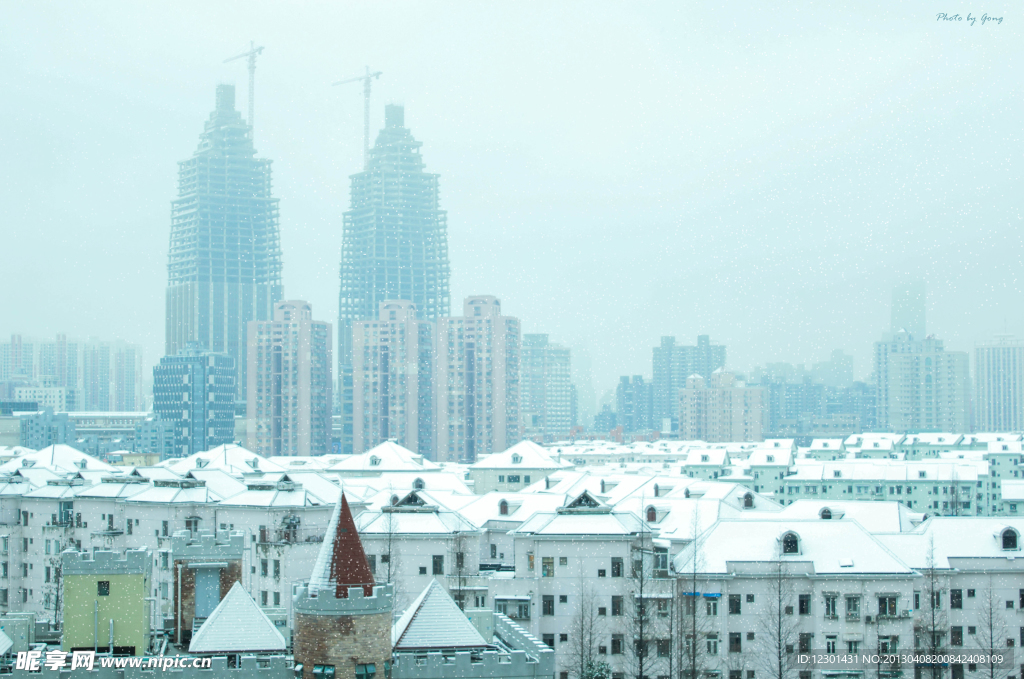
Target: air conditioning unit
(906, 614)
(867, 618)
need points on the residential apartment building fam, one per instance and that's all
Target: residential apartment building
(920, 386)
(289, 383)
(673, 364)
(546, 390)
(634, 405)
(999, 385)
(477, 381)
(392, 372)
(195, 391)
(720, 409)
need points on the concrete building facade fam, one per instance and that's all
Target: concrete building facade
(477, 381)
(720, 409)
(999, 386)
(393, 377)
(546, 390)
(673, 364)
(289, 395)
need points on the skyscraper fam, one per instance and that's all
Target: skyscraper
(999, 385)
(673, 364)
(195, 391)
(720, 409)
(224, 264)
(920, 386)
(908, 310)
(289, 383)
(393, 378)
(634, 405)
(111, 377)
(546, 393)
(394, 245)
(477, 381)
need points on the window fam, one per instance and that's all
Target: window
(264, 570)
(438, 563)
(501, 478)
(494, 551)
(804, 604)
(277, 568)
(423, 570)
(886, 606)
(277, 598)
(371, 559)
(805, 642)
(831, 601)
(1009, 539)
(128, 526)
(664, 648)
(712, 608)
(616, 567)
(735, 642)
(852, 646)
(563, 638)
(548, 604)
(750, 598)
(503, 508)
(790, 544)
(602, 611)
(164, 527)
(549, 639)
(513, 478)
(263, 598)
(600, 572)
(366, 671)
(734, 604)
(956, 598)
(970, 594)
(712, 644)
(830, 644)
(937, 600)
(547, 567)
(852, 607)
(956, 636)
(616, 605)
(616, 644)
(46, 577)
(103, 588)
(563, 598)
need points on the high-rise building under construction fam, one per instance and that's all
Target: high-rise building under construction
(394, 246)
(224, 264)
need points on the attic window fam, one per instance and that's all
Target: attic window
(1009, 539)
(652, 514)
(776, 444)
(704, 458)
(748, 501)
(825, 444)
(418, 484)
(922, 475)
(876, 444)
(516, 458)
(394, 500)
(825, 514)
(503, 508)
(374, 461)
(790, 544)
(770, 458)
(656, 490)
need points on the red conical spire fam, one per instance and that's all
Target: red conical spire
(348, 565)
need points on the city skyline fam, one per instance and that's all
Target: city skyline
(501, 199)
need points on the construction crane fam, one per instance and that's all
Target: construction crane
(253, 52)
(366, 79)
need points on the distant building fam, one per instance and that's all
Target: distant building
(393, 372)
(224, 267)
(999, 385)
(673, 364)
(45, 428)
(55, 398)
(195, 392)
(835, 372)
(111, 377)
(477, 381)
(289, 389)
(720, 409)
(394, 246)
(546, 402)
(921, 387)
(634, 404)
(605, 420)
(908, 313)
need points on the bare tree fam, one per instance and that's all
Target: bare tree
(459, 571)
(585, 632)
(390, 559)
(992, 632)
(776, 622)
(690, 621)
(931, 622)
(641, 619)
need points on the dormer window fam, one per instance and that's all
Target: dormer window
(394, 500)
(704, 458)
(825, 444)
(374, 461)
(770, 458)
(418, 484)
(748, 501)
(826, 514)
(503, 508)
(652, 515)
(1010, 539)
(517, 458)
(922, 475)
(790, 544)
(776, 444)
(657, 491)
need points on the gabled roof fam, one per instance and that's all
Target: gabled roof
(387, 457)
(434, 621)
(229, 457)
(237, 625)
(523, 455)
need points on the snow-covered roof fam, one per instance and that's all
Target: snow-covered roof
(434, 621)
(59, 458)
(233, 459)
(944, 541)
(386, 457)
(237, 625)
(523, 455)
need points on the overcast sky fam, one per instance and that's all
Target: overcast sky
(614, 172)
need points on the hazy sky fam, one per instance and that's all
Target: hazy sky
(614, 172)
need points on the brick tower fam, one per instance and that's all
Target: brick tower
(342, 619)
